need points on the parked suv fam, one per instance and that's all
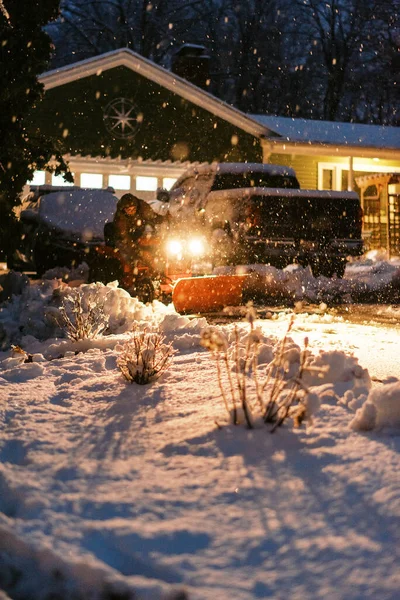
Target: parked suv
(256, 213)
(61, 226)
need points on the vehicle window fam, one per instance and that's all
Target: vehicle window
(187, 184)
(263, 215)
(229, 181)
(193, 189)
(78, 211)
(29, 203)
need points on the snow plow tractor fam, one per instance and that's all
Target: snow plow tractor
(256, 214)
(175, 268)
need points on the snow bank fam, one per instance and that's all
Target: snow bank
(35, 313)
(381, 409)
(32, 309)
(370, 278)
(114, 490)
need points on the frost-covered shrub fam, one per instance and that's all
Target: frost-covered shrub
(278, 388)
(81, 315)
(144, 357)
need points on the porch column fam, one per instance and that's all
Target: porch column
(266, 150)
(350, 183)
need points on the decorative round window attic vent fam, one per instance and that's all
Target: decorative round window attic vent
(121, 118)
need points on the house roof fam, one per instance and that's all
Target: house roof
(330, 132)
(280, 134)
(167, 79)
(340, 138)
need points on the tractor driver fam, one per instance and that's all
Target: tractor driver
(134, 231)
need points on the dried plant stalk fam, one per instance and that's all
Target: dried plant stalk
(144, 357)
(286, 396)
(82, 316)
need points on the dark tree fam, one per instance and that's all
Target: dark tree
(24, 54)
(88, 27)
(321, 59)
(340, 47)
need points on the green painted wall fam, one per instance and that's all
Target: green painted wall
(306, 167)
(171, 129)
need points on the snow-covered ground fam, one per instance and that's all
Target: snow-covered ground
(112, 490)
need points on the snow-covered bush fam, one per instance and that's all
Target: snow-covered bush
(144, 357)
(279, 390)
(82, 316)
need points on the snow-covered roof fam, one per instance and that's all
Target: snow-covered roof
(332, 133)
(127, 58)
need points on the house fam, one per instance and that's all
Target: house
(131, 124)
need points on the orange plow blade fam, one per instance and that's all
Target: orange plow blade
(209, 293)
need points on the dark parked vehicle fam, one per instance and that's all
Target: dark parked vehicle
(61, 227)
(267, 219)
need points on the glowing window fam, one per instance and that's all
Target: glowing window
(327, 179)
(59, 180)
(39, 178)
(146, 184)
(168, 182)
(91, 180)
(119, 182)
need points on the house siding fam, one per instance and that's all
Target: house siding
(306, 167)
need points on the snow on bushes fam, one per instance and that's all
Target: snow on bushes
(262, 380)
(37, 312)
(268, 394)
(82, 316)
(144, 356)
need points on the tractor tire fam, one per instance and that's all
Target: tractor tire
(143, 290)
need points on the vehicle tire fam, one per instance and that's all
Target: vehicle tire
(328, 268)
(41, 260)
(143, 290)
(40, 266)
(339, 267)
(13, 264)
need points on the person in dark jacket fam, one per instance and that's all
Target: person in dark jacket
(134, 230)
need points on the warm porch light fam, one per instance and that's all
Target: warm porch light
(168, 182)
(91, 180)
(119, 182)
(146, 184)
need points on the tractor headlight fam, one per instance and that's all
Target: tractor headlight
(196, 247)
(174, 248)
